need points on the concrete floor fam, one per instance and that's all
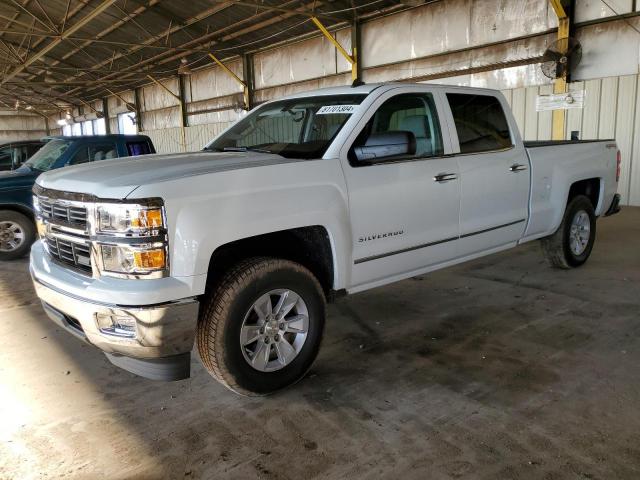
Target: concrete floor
(501, 368)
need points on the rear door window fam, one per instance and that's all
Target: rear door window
(480, 122)
(94, 153)
(138, 148)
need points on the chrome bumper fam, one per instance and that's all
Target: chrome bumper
(164, 334)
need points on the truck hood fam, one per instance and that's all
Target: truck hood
(18, 179)
(120, 177)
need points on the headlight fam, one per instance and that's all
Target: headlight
(129, 260)
(117, 225)
(134, 220)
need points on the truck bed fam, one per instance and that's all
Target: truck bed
(550, 143)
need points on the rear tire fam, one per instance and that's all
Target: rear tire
(570, 246)
(261, 327)
(17, 234)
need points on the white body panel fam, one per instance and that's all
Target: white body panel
(212, 199)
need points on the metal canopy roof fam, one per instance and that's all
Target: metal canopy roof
(57, 53)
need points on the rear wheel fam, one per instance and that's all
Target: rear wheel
(17, 233)
(570, 246)
(260, 329)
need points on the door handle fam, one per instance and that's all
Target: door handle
(445, 177)
(516, 167)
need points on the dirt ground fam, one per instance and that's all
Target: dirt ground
(498, 369)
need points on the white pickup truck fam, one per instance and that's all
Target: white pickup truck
(237, 248)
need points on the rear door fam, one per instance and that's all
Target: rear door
(403, 210)
(494, 171)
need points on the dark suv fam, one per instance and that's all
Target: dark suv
(14, 154)
(17, 229)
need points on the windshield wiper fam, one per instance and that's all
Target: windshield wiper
(240, 149)
(245, 149)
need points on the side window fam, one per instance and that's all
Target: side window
(138, 148)
(410, 112)
(94, 153)
(20, 155)
(5, 158)
(480, 122)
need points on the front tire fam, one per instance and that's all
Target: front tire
(570, 246)
(261, 327)
(17, 234)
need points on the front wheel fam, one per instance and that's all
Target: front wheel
(570, 246)
(260, 329)
(17, 233)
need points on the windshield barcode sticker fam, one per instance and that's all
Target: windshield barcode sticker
(333, 109)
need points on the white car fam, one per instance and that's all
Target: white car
(238, 247)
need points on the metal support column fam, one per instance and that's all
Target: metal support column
(249, 80)
(184, 119)
(105, 115)
(180, 98)
(356, 53)
(352, 59)
(137, 103)
(560, 84)
(245, 86)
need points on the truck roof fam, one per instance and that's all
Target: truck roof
(367, 88)
(111, 136)
(21, 142)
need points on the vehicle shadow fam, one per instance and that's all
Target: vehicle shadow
(483, 343)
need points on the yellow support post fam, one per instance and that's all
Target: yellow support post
(560, 84)
(245, 86)
(352, 59)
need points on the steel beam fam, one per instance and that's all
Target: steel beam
(54, 43)
(351, 58)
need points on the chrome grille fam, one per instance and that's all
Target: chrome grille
(72, 215)
(66, 235)
(77, 255)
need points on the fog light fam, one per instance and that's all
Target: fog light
(120, 325)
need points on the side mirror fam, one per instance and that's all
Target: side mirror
(386, 145)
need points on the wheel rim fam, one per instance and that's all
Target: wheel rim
(11, 236)
(274, 330)
(580, 232)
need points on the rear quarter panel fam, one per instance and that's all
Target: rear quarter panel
(554, 169)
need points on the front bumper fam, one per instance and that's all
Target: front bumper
(164, 333)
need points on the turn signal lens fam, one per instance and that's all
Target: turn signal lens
(147, 219)
(123, 259)
(149, 260)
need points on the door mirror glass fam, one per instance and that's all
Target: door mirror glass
(386, 146)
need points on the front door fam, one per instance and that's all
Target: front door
(404, 208)
(494, 173)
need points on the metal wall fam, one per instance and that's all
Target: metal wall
(485, 43)
(611, 110)
(21, 126)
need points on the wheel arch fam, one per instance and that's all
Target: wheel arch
(310, 246)
(17, 207)
(591, 188)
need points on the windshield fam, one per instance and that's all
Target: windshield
(295, 128)
(46, 157)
